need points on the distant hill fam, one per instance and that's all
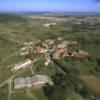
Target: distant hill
(60, 13)
(11, 17)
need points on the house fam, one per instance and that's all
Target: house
(29, 81)
(23, 52)
(80, 53)
(28, 43)
(23, 48)
(45, 45)
(47, 59)
(47, 62)
(63, 44)
(22, 64)
(83, 53)
(49, 41)
(57, 53)
(66, 54)
(40, 50)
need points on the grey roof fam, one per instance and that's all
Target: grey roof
(28, 80)
(39, 78)
(23, 53)
(21, 82)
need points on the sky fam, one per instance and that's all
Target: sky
(50, 5)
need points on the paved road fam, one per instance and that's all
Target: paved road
(7, 81)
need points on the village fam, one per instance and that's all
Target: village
(48, 50)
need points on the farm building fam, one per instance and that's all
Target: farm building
(41, 50)
(22, 64)
(29, 81)
(19, 83)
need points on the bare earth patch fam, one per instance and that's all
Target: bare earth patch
(92, 81)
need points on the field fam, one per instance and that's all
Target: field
(92, 82)
(4, 92)
(29, 94)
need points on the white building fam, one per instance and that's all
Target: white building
(22, 64)
(24, 53)
(47, 59)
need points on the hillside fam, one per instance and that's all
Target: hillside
(10, 17)
(71, 75)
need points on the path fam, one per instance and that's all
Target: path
(9, 89)
(32, 68)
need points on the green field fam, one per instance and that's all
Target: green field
(29, 94)
(4, 92)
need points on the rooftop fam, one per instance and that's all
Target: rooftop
(37, 79)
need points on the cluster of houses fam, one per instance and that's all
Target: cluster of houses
(54, 48)
(62, 49)
(30, 81)
(50, 48)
